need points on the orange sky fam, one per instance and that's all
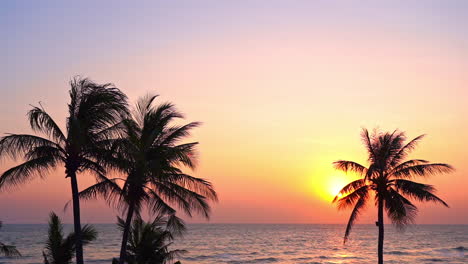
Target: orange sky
(281, 92)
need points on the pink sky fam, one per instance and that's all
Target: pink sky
(282, 91)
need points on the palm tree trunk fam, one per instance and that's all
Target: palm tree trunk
(76, 218)
(381, 231)
(126, 231)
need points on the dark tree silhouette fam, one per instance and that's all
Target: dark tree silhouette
(150, 154)
(388, 177)
(149, 242)
(7, 250)
(93, 113)
(60, 249)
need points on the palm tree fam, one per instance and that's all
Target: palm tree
(7, 250)
(94, 111)
(149, 242)
(388, 177)
(149, 152)
(60, 249)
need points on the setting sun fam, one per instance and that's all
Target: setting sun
(330, 186)
(334, 190)
(335, 184)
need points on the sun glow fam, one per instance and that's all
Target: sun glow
(330, 186)
(335, 184)
(335, 189)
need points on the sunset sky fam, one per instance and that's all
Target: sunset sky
(283, 89)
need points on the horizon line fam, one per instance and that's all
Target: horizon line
(231, 223)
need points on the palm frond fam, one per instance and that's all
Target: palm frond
(88, 235)
(88, 165)
(55, 249)
(386, 145)
(419, 191)
(44, 151)
(41, 121)
(198, 185)
(350, 187)
(15, 145)
(399, 209)
(149, 242)
(9, 251)
(351, 199)
(407, 164)
(157, 205)
(174, 134)
(184, 198)
(405, 150)
(101, 105)
(157, 121)
(184, 154)
(93, 108)
(423, 170)
(109, 189)
(175, 225)
(389, 145)
(60, 249)
(55, 232)
(358, 207)
(142, 107)
(26, 171)
(368, 142)
(350, 166)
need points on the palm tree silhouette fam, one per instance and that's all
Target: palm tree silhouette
(388, 176)
(149, 152)
(149, 242)
(60, 249)
(94, 111)
(7, 250)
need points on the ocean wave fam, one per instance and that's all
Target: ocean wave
(396, 252)
(435, 260)
(459, 248)
(222, 256)
(302, 258)
(201, 257)
(257, 260)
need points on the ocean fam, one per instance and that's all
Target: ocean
(271, 243)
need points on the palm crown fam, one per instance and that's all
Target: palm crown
(389, 176)
(94, 112)
(59, 248)
(148, 151)
(149, 242)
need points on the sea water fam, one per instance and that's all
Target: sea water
(270, 243)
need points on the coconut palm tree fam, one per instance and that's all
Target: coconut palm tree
(60, 249)
(149, 242)
(7, 250)
(93, 112)
(388, 177)
(150, 154)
